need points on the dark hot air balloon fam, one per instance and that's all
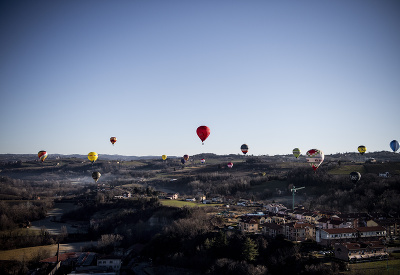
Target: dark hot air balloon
(394, 144)
(113, 140)
(355, 177)
(96, 176)
(244, 148)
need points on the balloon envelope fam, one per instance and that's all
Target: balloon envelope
(202, 160)
(42, 155)
(164, 157)
(296, 152)
(315, 158)
(92, 156)
(113, 140)
(96, 176)
(362, 149)
(230, 164)
(186, 157)
(355, 177)
(394, 144)
(244, 148)
(203, 132)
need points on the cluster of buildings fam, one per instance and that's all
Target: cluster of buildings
(354, 236)
(85, 263)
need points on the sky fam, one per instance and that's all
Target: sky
(272, 74)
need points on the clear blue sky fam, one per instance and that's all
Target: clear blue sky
(273, 74)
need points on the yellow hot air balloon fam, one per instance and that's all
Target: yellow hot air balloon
(92, 156)
(296, 152)
(164, 157)
(362, 149)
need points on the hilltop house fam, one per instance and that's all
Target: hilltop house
(172, 196)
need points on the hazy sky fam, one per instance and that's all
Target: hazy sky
(272, 74)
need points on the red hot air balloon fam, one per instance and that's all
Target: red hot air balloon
(203, 132)
(230, 164)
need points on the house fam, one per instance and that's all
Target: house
(112, 263)
(360, 251)
(190, 199)
(275, 207)
(371, 233)
(355, 219)
(272, 229)
(248, 224)
(340, 235)
(172, 196)
(384, 175)
(299, 231)
(392, 226)
(335, 235)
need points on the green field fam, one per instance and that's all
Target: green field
(175, 203)
(378, 268)
(347, 169)
(44, 251)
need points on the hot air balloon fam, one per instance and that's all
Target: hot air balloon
(96, 176)
(244, 148)
(183, 161)
(362, 149)
(113, 140)
(315, 158)
(202, 161)
(394, 144)
(42, 155)
(164, 157)
(230, 164)
(92, 156)
(296, 152)
(203, 132)
(355, 177)
(186, 157)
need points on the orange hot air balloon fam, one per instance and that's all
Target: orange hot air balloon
(186, 157)
(113, 140)
(203, 132)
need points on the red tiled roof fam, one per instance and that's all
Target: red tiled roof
(370, 228)
(62, 257)
(340, 230)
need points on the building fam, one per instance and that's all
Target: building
(299, 231)
(248, 224)
(360, 251)
(272, 229)
(335, 235)
(112, 263)
(340, 235)
(172, 196)
(392, 226)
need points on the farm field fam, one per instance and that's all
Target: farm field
(29, 253)
(378, 268)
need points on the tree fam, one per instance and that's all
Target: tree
(249, 250)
